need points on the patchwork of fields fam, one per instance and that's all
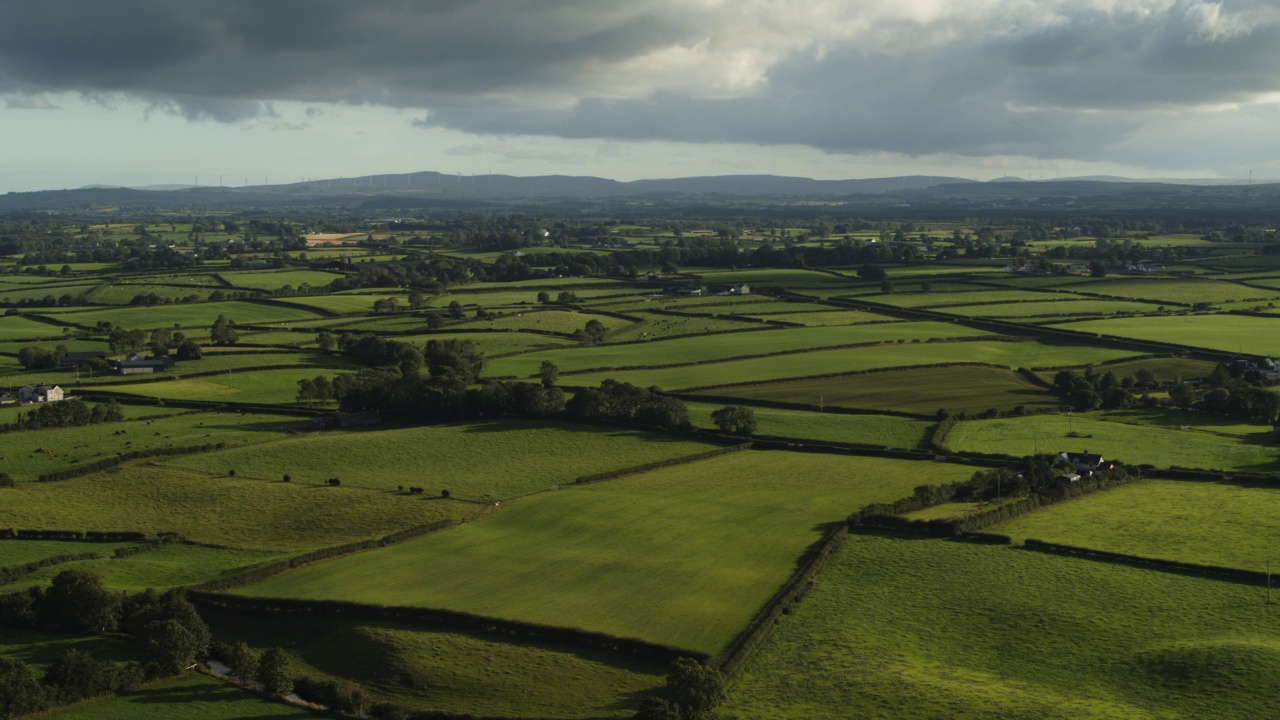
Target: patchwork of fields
(664, 547)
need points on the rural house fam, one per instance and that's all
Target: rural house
(1084, 462)
(40, 394)
(7, 399)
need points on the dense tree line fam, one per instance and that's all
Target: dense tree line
(67, 413)
(166, 634)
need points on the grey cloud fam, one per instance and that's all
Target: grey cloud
(1080, 84)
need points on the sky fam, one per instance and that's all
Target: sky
(145, 92)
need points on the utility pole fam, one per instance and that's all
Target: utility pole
(1268, 582)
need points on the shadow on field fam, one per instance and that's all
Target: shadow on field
(170, 695)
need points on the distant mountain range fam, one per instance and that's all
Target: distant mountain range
(433, 189)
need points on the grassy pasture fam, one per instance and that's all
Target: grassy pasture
(1182, 290)
(1136, 437)
(448, 671)
(184, 316)
(30, 453)
(238, 512)
(502, 298)
(217, 360)
(38, 292)
(703, 304)
(775, 278)
(191, 696)
(276, 279)
(1230, 333)
(487, 461)
(17, 327)
(656, 326)
(827, 318)
(38, 650)
(886, 430)
(682, 555)
(943, 300)
(909, 628)
(1199, 522)
(348, 304)
(1056, 308)
(493, 343)
(121, 294)
(70, 343)
(20, 552)
(168, 567)
(717, 347)
(557, 321)
(208, 280)
(272, 387)
(830, 362)
(1164, 368)
(925, 390)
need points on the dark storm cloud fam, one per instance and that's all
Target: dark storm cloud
(1058, 78)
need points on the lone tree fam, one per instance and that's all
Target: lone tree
(243, 662)
(696, 689)
(735, 420)
(549, 373)
(223, 333)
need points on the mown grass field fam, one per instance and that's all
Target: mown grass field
(198, 315)
(657, 326)
(190, 696)
(449, 671)
(1179, 290)
(1198, 522)
(347, 304)
(943, 300)
(557, 321)
(903, 627)
(1230, 333)
(168, 567)
(272, 387)
(487, 461)
(276, 279)
(886, 430)
(682, 555)
(831, 362)
(1163, 368)
(965, 388)
(17, 327)
(717, 347)
(122, 294)
(30, 453)
(232, 511)
(1134, 437)
(1053, 308)
(826, 318)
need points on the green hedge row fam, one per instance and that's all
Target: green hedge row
(730, 663)
(600, 477)
(447, 619)
(105, 463)
(262, 572)
(77, 535)
(1252, 577)
(13, 572)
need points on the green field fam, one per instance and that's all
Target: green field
(1179, 290)
(450, 671)
(20, 552)
(237, 512)
(904, 628)
(486, 461)
(557, 321)
(683, 555)
(347, 304)
(1198, 522)
(1230, 333)
(17, 327)
(658, 327)
(30, 453)
(273, 387)
(197, 315)
(886, 430)
(944, 300)
(831, 362)
(122, 294)
(1132, 436)
(276, 279)
(191, 696)
(1055, 308)
(826, 318)
(966, 388)
(1165, 369)
(168, 567)
(704, 349)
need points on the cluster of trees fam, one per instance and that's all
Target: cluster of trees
(623, 402)
(224, 332)
(735, 420)
(1093, 391)
(693, 692)
(166, 631)
(36, 358)
(1229, 391)
(67, 413)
